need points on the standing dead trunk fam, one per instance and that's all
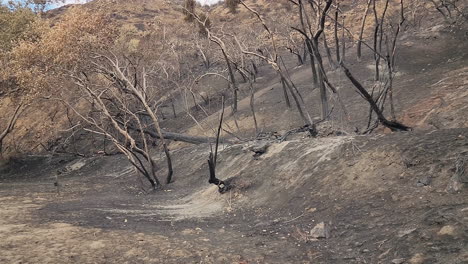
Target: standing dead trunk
(312, 45)
(173, 108)
(296, 100)
(343, 41)
(378, 38)
(329, 55)
(285, 92)
(213, 158)
(361, 31)
(321, 79)
(232, 80)
(312, 63)
(304, 52)
(252, 107)
(323, 96)
(337, 41)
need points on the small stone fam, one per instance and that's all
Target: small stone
(447, 230)
(358, 244)
(259, 148)
(398, 261)
(417, 259)
(406, 232)
(437, 28)
(425, 181)
(320, 231)
(187, 232)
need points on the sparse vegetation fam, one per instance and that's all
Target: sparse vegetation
(296, 105)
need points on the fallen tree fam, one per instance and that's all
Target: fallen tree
(196, 140)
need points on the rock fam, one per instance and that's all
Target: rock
(398, 261)
(259, 148)
(454, 185)
(406, 232)
(408, 43)
(358, 244)
(426, 181)
(447, 230)
(321, 230)
(417, 259)
(75, 166)
(437, 28)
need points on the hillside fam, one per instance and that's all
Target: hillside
(299, 185)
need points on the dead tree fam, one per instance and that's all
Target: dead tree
(388, 31)
(212, 159)
(337, 40)
(10, 125)
(273, 60)
(295, 48)
(119, 135)
(393, 125)
(361, 31)
(139, 91)
(312, 42)
(378, 36)
(206, 60)
(119, 90)
(222, 46)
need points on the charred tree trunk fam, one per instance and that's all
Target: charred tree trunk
(296, 100)
(329, 55)
(212, 159)
(285, 92)
(252, 107)
(343, 41)
(361, 32)
(393, 125)
(232, 81)
(312, 63)
(337, 41)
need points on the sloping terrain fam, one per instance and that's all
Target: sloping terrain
(430, 91)
(382, 198)
(430, 84)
